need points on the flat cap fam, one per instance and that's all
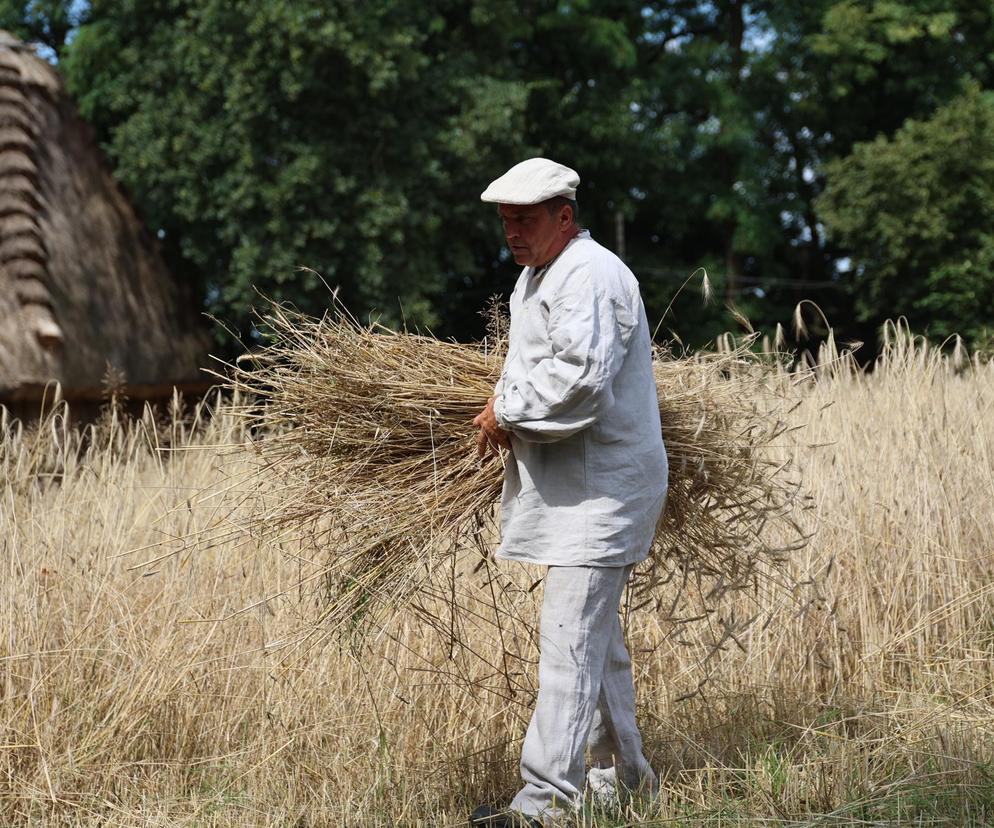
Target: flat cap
(531, 182)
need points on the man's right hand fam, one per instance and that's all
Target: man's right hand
(491, 434)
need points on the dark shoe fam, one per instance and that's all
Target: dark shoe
(487, 817)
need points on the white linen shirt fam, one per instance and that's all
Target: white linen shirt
(587, 475)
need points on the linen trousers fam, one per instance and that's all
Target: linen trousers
(586, 697)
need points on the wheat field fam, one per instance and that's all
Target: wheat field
(159, 663)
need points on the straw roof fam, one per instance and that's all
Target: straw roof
(83, 289)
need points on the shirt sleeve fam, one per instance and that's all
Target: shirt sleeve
(566, 392)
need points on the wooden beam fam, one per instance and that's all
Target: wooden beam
(35, 392)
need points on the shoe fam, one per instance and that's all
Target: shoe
(487, 817)
(602, 788)
(607, 792)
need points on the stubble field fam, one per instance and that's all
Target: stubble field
(156, 667)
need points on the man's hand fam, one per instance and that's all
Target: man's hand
(491, 434)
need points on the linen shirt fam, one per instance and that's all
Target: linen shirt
(587, 475)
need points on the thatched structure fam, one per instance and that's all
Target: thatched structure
(84, 293)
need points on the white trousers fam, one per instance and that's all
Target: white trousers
(586, 697)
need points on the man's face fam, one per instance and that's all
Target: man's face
(534, 236)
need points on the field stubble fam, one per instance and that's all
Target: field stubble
(156, 671)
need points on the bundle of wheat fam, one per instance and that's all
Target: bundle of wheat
(370, 432)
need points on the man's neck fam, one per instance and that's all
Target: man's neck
(570, 235)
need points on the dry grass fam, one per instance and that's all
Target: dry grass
(369, 433)
(136, 691)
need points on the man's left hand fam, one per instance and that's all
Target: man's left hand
(491, 434)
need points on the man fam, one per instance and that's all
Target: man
(584, 484)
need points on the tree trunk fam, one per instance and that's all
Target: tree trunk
(733, 264)
(735, 29)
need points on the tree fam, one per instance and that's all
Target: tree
(349, 138)
(720, 183)
(917, 212)
(352, 139)
(355, 138)
(48, 22)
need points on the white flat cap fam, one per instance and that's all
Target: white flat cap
(532, 181)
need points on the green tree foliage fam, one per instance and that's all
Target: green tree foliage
(879, 62)
(354, 138)
(717, 181)
(347, 137)
(351, 138)
(917, 211)
(48, 22)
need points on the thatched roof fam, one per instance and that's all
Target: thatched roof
(83, 289)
